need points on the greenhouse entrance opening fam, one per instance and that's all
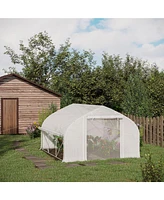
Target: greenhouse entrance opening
(103, 138)
(53, 145)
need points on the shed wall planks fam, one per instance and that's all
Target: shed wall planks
(31, 100)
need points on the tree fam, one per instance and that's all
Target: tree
(71, 67)
(113, 82)
(60, 70)
(155, 85)
(136, 99)
(37, 58)
(89, 88)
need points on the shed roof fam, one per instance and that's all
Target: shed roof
(30, 82)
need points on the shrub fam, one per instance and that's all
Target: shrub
(46, 112)
(152, 172)
(33, 130)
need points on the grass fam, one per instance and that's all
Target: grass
(14, 168)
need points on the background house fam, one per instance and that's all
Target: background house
(20, 103)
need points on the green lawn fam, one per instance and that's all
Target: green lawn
(14, 168)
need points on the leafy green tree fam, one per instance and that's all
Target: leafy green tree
(71, 67)
(89, 88)
(155, 85)
(12, 70)
(60, 70)
(113, 81)
(136, 99)
(37, 58)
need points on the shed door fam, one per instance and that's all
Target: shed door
(9, 116)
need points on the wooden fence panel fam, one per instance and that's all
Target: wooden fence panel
(153, 129)
(161, 130)
(146, 127)
(150, 131)
(157, 126)
(137, 120)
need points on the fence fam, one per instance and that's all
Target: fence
(152, 128)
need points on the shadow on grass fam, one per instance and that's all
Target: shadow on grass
(18, 144)
(8, 143)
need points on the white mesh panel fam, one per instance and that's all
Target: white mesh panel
(103, 138)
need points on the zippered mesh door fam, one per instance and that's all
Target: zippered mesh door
(103, 139)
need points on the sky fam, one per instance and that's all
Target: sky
(139, 37)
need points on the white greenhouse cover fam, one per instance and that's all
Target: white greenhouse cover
(91, 132)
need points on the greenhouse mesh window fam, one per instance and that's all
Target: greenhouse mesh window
(103, 139)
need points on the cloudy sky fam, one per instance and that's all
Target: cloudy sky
(142, 38)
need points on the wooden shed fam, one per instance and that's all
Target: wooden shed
(20, 103)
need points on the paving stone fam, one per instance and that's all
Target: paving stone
(72, 165)
(81, 164)
(42, 167)
(31, 157)
(21, 149)
(16, 144)
(38, 162)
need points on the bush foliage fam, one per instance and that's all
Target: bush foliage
(33, 130)
(151, 171)
(46, 112)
